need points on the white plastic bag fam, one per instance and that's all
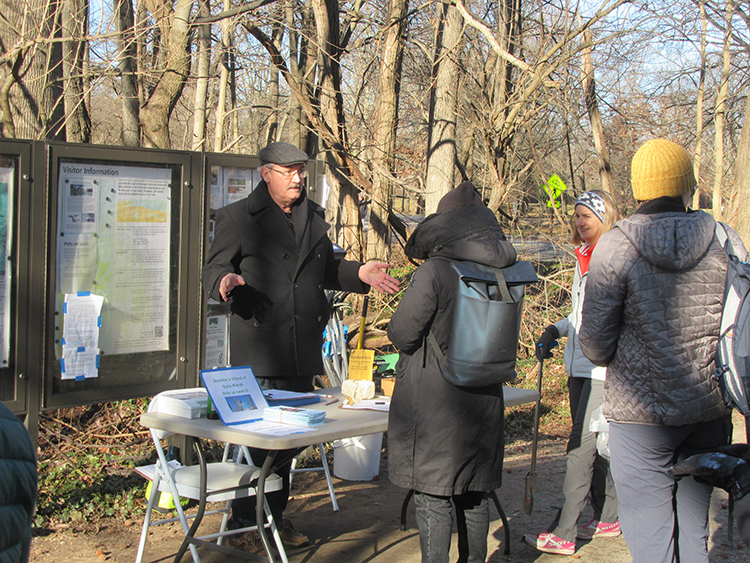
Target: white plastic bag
(600, 425)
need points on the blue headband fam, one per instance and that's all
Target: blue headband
(594, 202)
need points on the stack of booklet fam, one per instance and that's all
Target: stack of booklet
(294, 416)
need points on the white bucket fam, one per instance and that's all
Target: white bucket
(358, 458)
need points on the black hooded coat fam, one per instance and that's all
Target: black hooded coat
(443, 440)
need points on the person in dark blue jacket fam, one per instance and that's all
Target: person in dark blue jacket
(18, 488)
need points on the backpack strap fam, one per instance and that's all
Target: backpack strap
(432, 340)
(502, 285)
(723, 235)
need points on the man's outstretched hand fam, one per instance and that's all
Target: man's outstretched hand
(374, 274)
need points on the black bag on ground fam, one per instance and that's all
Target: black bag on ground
(486, 325)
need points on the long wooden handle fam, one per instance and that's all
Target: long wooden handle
(362, 322)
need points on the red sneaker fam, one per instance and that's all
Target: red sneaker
(596, 529)
(550, 543)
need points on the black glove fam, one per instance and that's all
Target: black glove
(546, 342)
(717, 469)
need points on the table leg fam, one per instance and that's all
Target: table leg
(404, 506)
(506, 526)
(260, 501)
(201, 503)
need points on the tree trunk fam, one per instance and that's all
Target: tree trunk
(698, 150)
(719, 118)
(32, 78)
(220, 112)
(155, 114)
(348, 230)
(272, 128)
(497, 136)
(202, 68)
(597, 129)
(441, 148)
(742, 179)
(384, 130)
(127, 48)
(75, 25)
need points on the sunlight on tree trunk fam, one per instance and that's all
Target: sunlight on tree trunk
(203, 67)
(384, 130)
(224, 62)
(595, 117)
(75, 25)
(127, 53)
(742, 179)
(441, 148)
(719, 118)
(175, 57)
(698, 150)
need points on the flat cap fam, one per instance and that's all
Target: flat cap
(283, 154)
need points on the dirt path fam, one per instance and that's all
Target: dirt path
(366, 528)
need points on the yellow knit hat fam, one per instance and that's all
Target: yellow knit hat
(661, 168)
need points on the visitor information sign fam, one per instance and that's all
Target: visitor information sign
(113, 242)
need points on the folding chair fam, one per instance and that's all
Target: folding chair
(225, 480)
(323, 467)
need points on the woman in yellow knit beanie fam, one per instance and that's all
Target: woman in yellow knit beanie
(652, 315)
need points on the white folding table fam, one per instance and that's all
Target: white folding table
(340, 423)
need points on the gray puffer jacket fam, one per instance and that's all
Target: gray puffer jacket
(651, 314)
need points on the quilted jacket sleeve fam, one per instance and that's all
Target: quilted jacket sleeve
(606, 289)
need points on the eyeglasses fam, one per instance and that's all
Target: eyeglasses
(289, 174)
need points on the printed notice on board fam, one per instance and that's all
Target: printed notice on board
(79, 363)
(217, 333)
(82, 319)
(229, 184)
(6, 240)
(113, 241)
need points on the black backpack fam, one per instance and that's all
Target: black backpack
(487, 313)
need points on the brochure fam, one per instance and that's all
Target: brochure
(276, 397)
(294, 416)
(235, 394)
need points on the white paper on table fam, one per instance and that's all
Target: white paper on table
(272, 428)
(376, 404)
(82, 319)
(79, 363)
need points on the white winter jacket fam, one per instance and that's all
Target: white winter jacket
(576, 364)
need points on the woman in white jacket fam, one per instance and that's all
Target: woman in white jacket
(587, 471)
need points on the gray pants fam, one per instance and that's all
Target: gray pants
(663, 521)
(434, 522)
(587, 471)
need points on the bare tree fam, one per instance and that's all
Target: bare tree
(32, 70)
(127, 53)
(384, 129)
(174, 30)
(719, 118)
(75, 27)
(698, 149)
(595, 116)
(441, 144)
(742, 179)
